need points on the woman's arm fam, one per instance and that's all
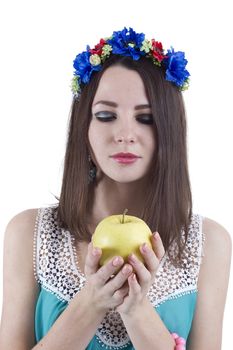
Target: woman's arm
(20, 288)
(74, 327)
(144, 326)
(146, 329)
(206, 332)
(140, 320)
(77, 325)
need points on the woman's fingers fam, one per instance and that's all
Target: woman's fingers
(92, 260)
(152, 257)
(106, 273)
(108, 270)
(119, 280)
(134, 286)
(121, 293)
(147, 272)
(143, 274)
(157, 245)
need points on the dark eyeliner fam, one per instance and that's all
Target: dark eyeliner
(145, 119)
(105, 116)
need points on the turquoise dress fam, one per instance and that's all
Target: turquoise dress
(173, 293)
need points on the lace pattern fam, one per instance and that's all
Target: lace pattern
(56, 269)
(171, 281)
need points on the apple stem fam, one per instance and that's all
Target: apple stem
(123, 219)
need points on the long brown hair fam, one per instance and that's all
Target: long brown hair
(168, 208)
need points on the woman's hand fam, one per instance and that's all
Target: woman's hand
(106, 286)
(141, 279)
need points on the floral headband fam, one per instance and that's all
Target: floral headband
(129, 43)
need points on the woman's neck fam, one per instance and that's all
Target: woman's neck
(111, 198)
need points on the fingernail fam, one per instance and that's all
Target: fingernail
(156, 236)
(126, 269)
(145, 247)
(95, 251)
(132, 258)
(116, 261)
(133, 277)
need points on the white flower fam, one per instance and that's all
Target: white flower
(95, 60)
(106, 49)
(146, 46)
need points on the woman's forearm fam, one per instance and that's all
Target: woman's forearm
(146, 329)
(75, 328)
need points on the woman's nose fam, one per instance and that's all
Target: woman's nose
(125, 139)
(125, 134)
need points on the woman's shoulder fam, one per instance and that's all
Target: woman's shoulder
(22, 222)
(25, 222)
(20, 288)
(20, 229)
(216, 234)
(217, 246)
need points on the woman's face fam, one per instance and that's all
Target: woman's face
(122, 123)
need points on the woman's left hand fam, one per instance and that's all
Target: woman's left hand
(143, 276)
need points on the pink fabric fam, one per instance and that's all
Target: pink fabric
(180, 342)
(180, 347)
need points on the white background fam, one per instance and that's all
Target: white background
(40, 39)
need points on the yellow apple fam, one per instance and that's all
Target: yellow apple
(121, 235)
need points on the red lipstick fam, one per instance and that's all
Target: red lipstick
(125, 158)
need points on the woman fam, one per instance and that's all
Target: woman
(126, 149)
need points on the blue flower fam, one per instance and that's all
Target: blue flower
(83, 67)
(175, 64)
(127, 43)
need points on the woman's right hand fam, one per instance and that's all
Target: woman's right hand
(102, 289)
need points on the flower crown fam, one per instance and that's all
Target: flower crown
(129, 43)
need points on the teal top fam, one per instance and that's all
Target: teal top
(173, 294)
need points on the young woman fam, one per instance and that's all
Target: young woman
(126, 148)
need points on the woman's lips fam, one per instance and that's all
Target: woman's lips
(125, 158)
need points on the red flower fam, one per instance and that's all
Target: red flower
(157, 50)
(98, 48)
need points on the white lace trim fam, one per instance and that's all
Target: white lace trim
(55, 266)
(171, 282)
(56, 269)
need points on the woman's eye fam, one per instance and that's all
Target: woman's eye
(145, 119)
(105, 116)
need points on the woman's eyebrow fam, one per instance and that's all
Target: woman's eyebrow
(107, 103)
(114, 104)
(146, 106)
